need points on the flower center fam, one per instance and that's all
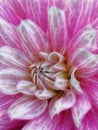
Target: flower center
(50, 75)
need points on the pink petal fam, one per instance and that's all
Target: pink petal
(26, 87)
(8, 86)
(64, 102)
(57, 29)
(5, 122)
(9, 34)
(8, 14)
(37, 11)
(13, 73)
(85, 38)
(84, 16)
(90, 122)
(13, 57)
(80, 109)
(79, 14)
(31, 34)
(9, 78)
(43, 123)
(27, 108)
(85, 61)
(91, 86)
(17, 7)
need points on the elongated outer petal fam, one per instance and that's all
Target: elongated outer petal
(8, 14)
(9, 34)
(8, 86)
(79, 14)
(5, 121)
(63, 103)
(90, 122)
(91, 86)
(43, 122)
(18, 7)
(9, 78)
(27, 108)
(80, 109)
(37, 11)
(13, 57)
(85, 61)
(33, 39)
(57, 29)
(85, 38)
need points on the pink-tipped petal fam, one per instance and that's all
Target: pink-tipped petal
(33, 39)
(66, 101)
(57, 29)
(27, 108)
(13, 57)
(9, 78)
(85, 61)
(85, 38)
(44, 122)
(74, 82)
(90, 122)
(80, 109)
(8, 14)
(17, 7)
(37, 11)
(9, 34)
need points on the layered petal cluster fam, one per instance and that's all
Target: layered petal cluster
(48, 65)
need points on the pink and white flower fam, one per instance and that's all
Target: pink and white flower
(48, 65)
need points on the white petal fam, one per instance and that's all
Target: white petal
(74, 82)
(13, 73)
(61, 84)
(9, 78)
(10, 56)
(26, 87)
(44, 55)
(55, 57)
(85, 61)
(80, 109)
(8, 86)
(57, 28)
(64, 102)
(33, 39)
(44, 94)
(27, 108)
(86, 38)
(84, 58)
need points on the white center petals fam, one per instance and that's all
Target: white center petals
(44, 94)
(55, 57)
(61, 84)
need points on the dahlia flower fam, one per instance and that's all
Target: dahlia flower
(48, 65)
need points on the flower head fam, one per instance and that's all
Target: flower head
(48, 65)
